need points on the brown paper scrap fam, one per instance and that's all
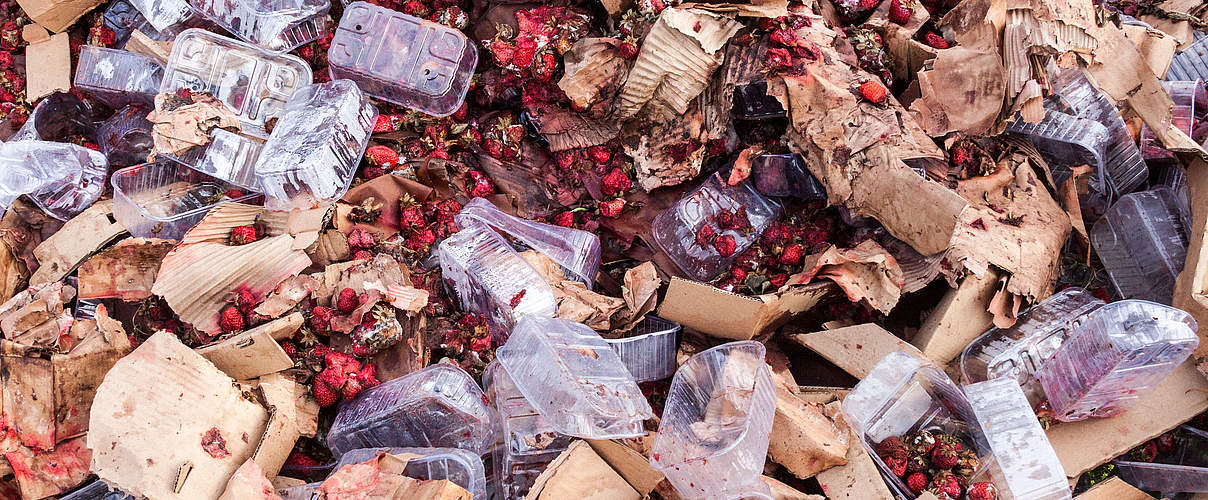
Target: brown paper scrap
(722, 314)
(81, 236)
(1113, 488)
(189, 125)
(52, 70)
(594, 71)
(804, 440)
(963, 91)
(960, 317)
(125, 270)
(140, 43)
(866, 273)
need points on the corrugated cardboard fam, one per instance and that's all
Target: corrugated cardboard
(1156, 47)
(858, 480)
(254, 352)
(856, 349)
(59, 254)
(56, 15)
(41, 475)
(804, 440)
(125, 270)
(781, 491)
(1191, 287)
(1113, 489)
(580, 473)
(1084, 445)
(52, 72)
(630, 464)
(152, 414)
(958, 319)
(287, 421)
(719, 313)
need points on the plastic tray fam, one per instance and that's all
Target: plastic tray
(577, 251)
(1190, 63)
(528, 443)
(253, 82)
(649, 351)
(1142, 244)
(1025, 459)
(125, 139)
(162, 200)
(785, 175)
(229, 157)
(276, 25)
(62, 179)
(162, 14)
(458, 466)
(117, 77)
(1185, 469)
(403, 59)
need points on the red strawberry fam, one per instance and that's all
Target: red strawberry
(778, 59)
(960, 156)
(360, 238)
(628, 49)
(301, 459)
(1165, 443)
(612, 208)
(325, 394)
(565, 219)
(231, 320)
(777, 280)
(739, 274)
(242, 235)
(230, 193)
(320, 318)
(934, 40)
(896, 465)
(869, 4)
(502, 51)
(545, 66)
(412, 217)
(381, 156)
(416, 8)
(482, 185)
(566, 158)
(792, 255)
(384, 123)
(891, 447)
(725, 245)
(615, 183)
(350, 389)
(290, 349)
(462, 112)
(983, 491)
(874, 92)
(599, 154)
(777, 233)
(945, 455)
(783, 37)
(362, 255)
(705, 235)
(347, 301)
(494, 148)
(245, 301)
(917, 482)
(898, 13)
(945, 483)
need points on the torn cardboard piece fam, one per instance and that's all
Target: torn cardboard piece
(1113, 488)
(381, 478)
(1157, 48)
(180, 437)
(56, 15)
(652, 148)
(630, 464)
(859, 479)
(856, 349)
(580, 473)
(291, 414)
(248, 483)
(52, 71)
(126, 270)
(41, 475)
(962, 91)
(140, 43)
(594, 71)
(1191, 287)
(176, 129)
(959, 318)
(804, 440)
(36, 318)
(781, 491)
(254, 352)
(726, 315)
(866, 273)
(59, 254)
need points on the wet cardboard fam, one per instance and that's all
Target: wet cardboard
(254, 352)
(580, 473)
(1113, 489)
(126, 270)
(59, 254)
(722, 314)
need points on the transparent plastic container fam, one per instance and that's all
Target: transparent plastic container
(752, 102)
(528, 443)
(458, 466)
(276, 25)
(162, 14)
(162, 200)
(649, 350)
(62, 179)
(1182, 470)
(1125, 169)
(126, 139)
(490, 278)
(1185, 95)
(678, 229)
(1190, 63)
(96, 490)
(123, 18)
(253, 82)
(577, 251)
(312, 155)
(1142, 244)
(785, 175)
(1114, 357)
(901, 395)
(229, 157)
(438, 406)
(1029, 466)
(117, 77)
(1066, 141)
(713, 439)
(574, 379)
(403, 59)
(1018, 351)
(58, 117)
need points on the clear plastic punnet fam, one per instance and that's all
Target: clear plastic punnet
(527, 443)
(649, 350)
(438, 406)
(574, 379)
(97, 490)
(63, 179)
(1142, 244)
(1182, 469)
(229, 156)
(312, 155)
(1017, 352)
(1030, 468)
(162, 14)
(125, 139)
(460, 467)
(1190, 63)
(785, 175)
(490, 278)
(162, 200)
(403, 59)
(1185, 94)
(276, 25)
(713, 438)
(117, 77)
(696, 232)
(253, 82)
(1114, 357)
(577, 251)
(59, 116)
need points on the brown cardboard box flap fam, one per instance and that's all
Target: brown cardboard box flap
(126, 270)
(52, 72)
(59, 254)
(285, 422)
(580, 473)
(781, 491)
(630, 464)
(255, 352)
(856, 349)
(140, 43)
(722, 314)
(804, 440)
(166, 423)
(57, 15)
(960, 317)
(1191, 287)
(858, 480)
(1113, 488)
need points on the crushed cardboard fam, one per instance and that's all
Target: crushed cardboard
(960, 317)
(248, 483)
(52, 73)
(580, 473)
(125, 270)
(57, 15)
(804, 440)
(381, 478)
(41, 475)
(254, 352)
(726, 315)
(59, 254)
(856, 349)
(866, 273)
(1113, 488)
(187, 126)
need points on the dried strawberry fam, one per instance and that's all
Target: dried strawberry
(778, 280)
(612, 208)
(230, 193)
(347, 301)
(298, 458)
(775, 234)
(945, 455)
(384, 123)
(381, 156)
(917, 482)
(545, 66)
(898, 13)
(462, 112)
(482, 185)
(628, 49)
(565, 219)
(360, 238)
(412, 217)
(946, 483)
(362, 255)
(416, 8)
(725, 245)
(784, 37)
(896, 465)
(934, 40)
(1145, 453)
(320, 319)
(502, 51)
(599, 154)
(874, 92)
(242, 235)
(778, 59)
(792, 255)
(245, 301)
(705, 235)
(290, 349)
(231, 320)
(615, 183)
(739, 274)
(983, 491)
